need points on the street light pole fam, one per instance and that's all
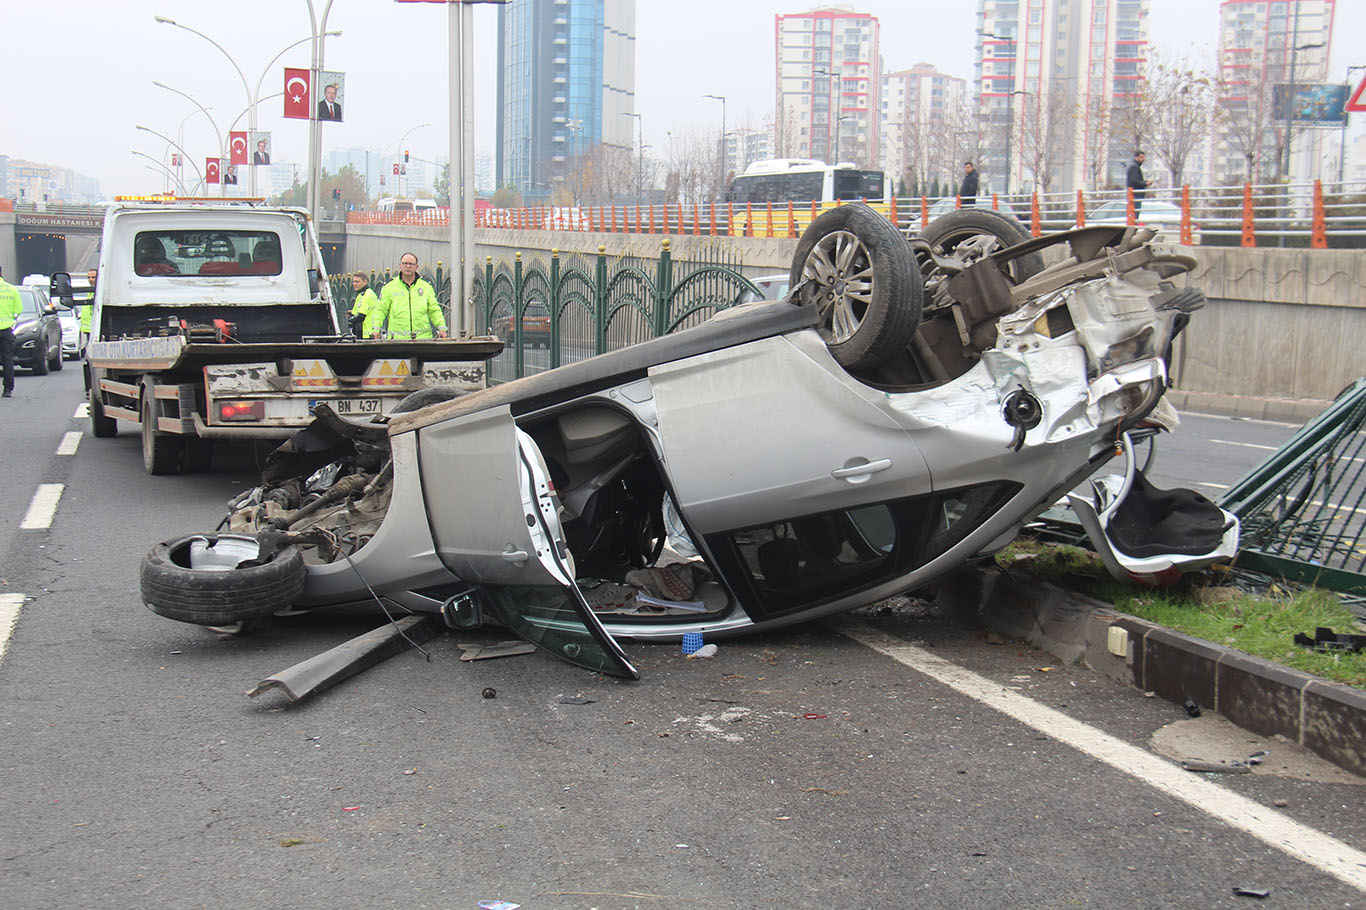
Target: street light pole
(169, 141)
(201, 107)
(721, 162)
(315, 143)
(640, 161)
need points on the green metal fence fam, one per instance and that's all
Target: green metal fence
(594, 304)
(1303, 510)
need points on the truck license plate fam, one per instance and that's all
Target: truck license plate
(349, 406)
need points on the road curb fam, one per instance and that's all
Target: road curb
(1283, 410)
(1266, 698)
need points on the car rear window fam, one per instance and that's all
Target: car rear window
(221, 253)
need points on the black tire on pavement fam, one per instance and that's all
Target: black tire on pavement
(207, 597)
(39, 362)
(56, 363)
(198, 455)
(945, 233)
(160, 451)
(855, 268)
(101, 425)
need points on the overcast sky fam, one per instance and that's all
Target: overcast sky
(79, 73)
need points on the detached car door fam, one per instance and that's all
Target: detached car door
(494, 515)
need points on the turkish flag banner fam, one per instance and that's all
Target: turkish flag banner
(396, 170)
(296, 94)
(237, 147)
(210, 170)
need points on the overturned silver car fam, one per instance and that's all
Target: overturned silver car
(906, 409)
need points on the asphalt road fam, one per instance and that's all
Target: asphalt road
(802, 769)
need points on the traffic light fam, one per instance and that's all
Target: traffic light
(336, 194)
(405, 156)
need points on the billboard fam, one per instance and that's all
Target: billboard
(1309, 105)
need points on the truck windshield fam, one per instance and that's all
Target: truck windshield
(171, 253)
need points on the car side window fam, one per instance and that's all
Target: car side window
(800, 562)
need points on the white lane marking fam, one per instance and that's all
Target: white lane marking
(1319, 850)
(82, 411)
(9, 615)
(1245, 445)
(69, 443)
(43, 507)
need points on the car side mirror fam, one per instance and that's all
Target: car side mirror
(60, 285)
(315, 280)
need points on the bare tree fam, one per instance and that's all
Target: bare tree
(1246, 115)
(1096, 154)
(1047, 126)
(1182, 101)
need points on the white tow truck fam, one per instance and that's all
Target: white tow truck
(214, 321)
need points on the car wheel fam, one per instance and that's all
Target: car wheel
(102, 426)
(39, 363)
(55, 363)
(218, 579)
(415, 401)
(160, 451)
(973, 234)
(856, 270)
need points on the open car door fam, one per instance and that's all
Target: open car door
(494, 515)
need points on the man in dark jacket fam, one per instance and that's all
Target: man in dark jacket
(1134, 180)
(967, 191)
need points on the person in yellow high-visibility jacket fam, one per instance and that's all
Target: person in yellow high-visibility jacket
(362, 306)
(11, 305)
(408, 304)
(87, 313)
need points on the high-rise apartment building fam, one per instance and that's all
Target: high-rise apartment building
(926, 130)
(1055, 77)
(1263, 45)
(744, 146)
(828, 79)
(566, 83)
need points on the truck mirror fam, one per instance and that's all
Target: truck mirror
(315, 280)
(60, 286)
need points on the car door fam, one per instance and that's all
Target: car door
(494, 515)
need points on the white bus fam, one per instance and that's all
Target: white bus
(804, 180)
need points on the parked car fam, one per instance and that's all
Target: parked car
(945, 206)
(535, 326)
(1163, 217)
(906, 409)
(38, 332)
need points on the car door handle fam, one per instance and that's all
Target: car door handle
(861, 470)
(512, 554)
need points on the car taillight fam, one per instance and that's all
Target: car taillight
(241, 410)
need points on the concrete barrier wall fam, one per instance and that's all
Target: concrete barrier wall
(1280, 324)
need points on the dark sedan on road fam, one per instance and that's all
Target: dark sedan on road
(38, 333)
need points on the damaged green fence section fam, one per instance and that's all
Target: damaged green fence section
(1303, 510)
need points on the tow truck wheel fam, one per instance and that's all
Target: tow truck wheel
(219, 579)
(101, 425)
(160, 451)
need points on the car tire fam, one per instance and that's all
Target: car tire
(160, 451)
(945, 233)
(39, 363)
(102, 426)
(415, 401)
(863, 324)
(197, 457)
(56, 363)
(174, 588)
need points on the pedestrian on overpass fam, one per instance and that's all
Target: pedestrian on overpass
(967, 191)
(364, 303)
(1134, 180)
(10, 307)
(408, 304)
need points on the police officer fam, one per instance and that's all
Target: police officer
(87, 312)
(409, 304)
(361, 307)
(10, 307)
